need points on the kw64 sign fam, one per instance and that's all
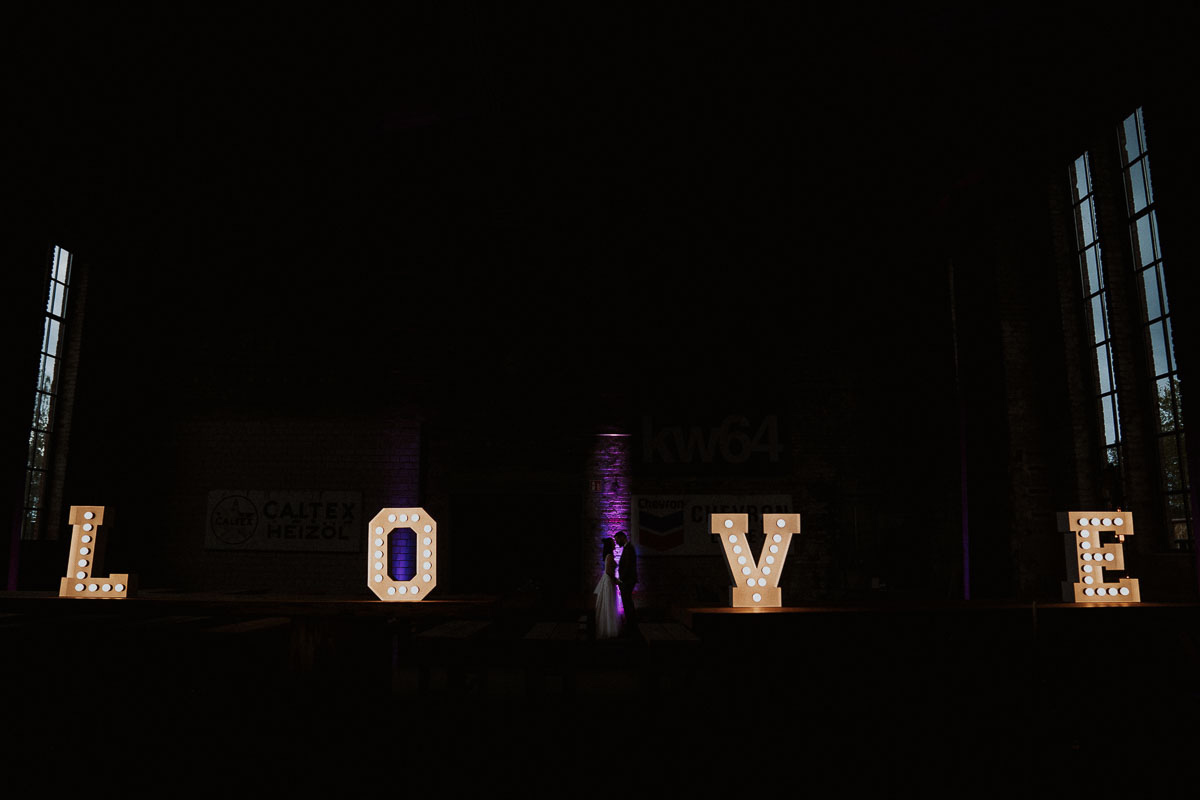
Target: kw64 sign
(737, 440)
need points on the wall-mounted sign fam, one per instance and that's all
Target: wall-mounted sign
(1088, 556)
(402, 557)
(253, 519)
(755, 584)
(745, 443)
(87, 545)
(678, 525)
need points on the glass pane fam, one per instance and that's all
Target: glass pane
(1167, 410)
(1162, 282)
(1098, 319)
(1145, 242)
(1158, 346)
(34, 488)
(1079, 177)
(1136, 188)
(1095, 276)
(37, 450)
(1177, 506)
(50, 297)
(1102, 369)
(1110, 420)
(50, 342)
(1129, 138)
(59, 299)
(1150, 285)
(1149, 180)
(1172, 477)
(62, 266)
(46, 375)
(29, 524)
(1170, 345)
(41, 412)
(1083, 219)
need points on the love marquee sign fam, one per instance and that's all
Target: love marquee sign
(402, 558)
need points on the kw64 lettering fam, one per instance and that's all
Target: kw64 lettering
(735, 441)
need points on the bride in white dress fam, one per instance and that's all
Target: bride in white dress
(608, 625)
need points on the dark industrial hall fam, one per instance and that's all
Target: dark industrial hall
(543, 316)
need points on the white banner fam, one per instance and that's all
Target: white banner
(256, 519)
(677, 525)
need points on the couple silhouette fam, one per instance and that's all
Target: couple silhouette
(620, 576)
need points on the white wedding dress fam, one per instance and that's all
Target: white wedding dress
(608, 625)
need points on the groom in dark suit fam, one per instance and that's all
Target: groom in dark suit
(627, 578)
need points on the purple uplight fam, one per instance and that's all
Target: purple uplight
(608, 497)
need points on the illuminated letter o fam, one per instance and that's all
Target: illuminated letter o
(424, 557)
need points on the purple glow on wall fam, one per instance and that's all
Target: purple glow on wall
(608, 497)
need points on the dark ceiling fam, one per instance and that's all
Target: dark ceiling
(544, 193)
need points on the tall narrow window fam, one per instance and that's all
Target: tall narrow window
(1095, 297)
(1156, 322)
(45, 395)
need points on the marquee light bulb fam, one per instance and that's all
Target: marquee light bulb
(89, 515)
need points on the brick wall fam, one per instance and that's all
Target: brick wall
(378, 457)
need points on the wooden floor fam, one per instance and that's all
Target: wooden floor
(1052, 687)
